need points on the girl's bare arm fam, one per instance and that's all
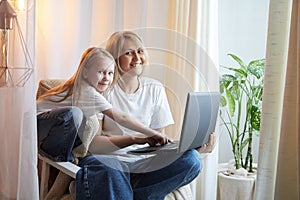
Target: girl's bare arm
(133, 124)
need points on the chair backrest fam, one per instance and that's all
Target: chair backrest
(47, 84)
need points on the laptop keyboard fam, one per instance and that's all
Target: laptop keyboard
(156, 148)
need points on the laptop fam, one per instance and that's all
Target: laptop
(200, 117)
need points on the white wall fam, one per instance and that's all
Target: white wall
(243, 31)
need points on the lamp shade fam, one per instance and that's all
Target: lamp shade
(7, 14)
(16, 65)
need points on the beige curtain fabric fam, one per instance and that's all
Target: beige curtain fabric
(288, 155)
(278, 165)
(18, 138)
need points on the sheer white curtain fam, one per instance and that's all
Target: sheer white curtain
(181, 37)
(278, 169)
(18, 141)
(197, 22)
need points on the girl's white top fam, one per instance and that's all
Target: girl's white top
(89, 100)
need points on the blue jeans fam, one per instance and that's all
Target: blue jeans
(58, 132)
(105, 177)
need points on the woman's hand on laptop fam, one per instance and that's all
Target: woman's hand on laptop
(157, 139)
(210, 145)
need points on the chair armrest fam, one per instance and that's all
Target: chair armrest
(65, 167)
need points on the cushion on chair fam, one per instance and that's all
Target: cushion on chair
(183, 193)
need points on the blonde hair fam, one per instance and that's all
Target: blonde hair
(115, 44)
(88, 59)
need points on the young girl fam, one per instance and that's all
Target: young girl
(63, 110)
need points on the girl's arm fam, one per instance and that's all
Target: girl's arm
(105, 144)
(131, 123)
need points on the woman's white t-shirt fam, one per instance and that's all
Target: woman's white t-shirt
(149, 105)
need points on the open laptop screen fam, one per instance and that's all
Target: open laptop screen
(199, 120)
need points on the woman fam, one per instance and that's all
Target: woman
(147, 177)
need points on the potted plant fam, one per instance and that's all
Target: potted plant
(241, 98)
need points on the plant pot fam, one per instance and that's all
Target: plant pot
(235, 187)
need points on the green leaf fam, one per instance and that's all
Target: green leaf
(230, 103)
(238, 60)
(221, 88)
(255, 117)
(235, 90)
(239, 72)
(257, 67)
(227, 78)
(223, 101)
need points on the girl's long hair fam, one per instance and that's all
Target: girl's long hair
(87, 60)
